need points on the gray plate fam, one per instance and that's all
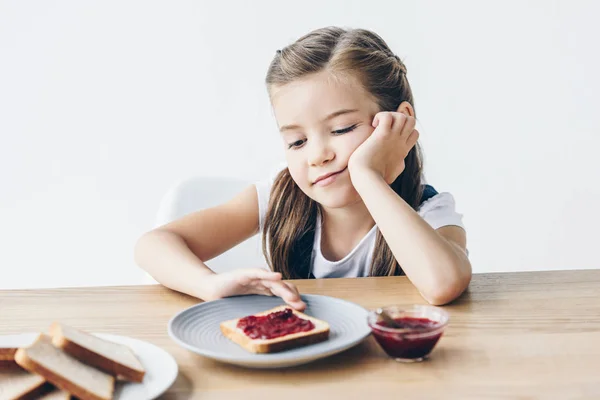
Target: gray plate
(197, 329)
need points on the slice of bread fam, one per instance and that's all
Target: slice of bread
(21, 385)
(57, 395)
(318, 334)
(8, 353)
(65, 372)
(7, 359)
(113, 358)
(9, 365)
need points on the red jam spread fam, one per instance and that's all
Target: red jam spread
(408, 345)
(274, 325)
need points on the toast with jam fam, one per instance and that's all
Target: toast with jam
(278, 329)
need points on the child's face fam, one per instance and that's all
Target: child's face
(322, 121)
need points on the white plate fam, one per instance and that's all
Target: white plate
(197, 329)
(161, 367)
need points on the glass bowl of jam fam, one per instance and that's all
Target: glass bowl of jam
(419, 329)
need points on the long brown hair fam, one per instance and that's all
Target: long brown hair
(291, 216)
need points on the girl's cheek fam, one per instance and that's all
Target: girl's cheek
(297, 174)
(360, 139)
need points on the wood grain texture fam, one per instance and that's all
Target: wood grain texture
(511, 335)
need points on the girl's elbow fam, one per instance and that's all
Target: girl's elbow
(447, 291)
(140, 248)
(144, 247)
(440, 298)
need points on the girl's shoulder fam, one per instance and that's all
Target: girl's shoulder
(439, 209)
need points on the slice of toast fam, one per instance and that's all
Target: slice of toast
(57, 395)
(9, 365)
(8, 351)
(22, 385)
(65, 372)
(318, 334)
(113, 358)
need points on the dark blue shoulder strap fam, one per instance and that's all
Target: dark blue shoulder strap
(428, 193)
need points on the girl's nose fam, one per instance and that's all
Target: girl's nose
(319, 153)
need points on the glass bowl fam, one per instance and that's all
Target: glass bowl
(421, 327)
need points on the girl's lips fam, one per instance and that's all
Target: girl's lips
(328, 179)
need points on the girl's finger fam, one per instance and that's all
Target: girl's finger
(292, 287)
(299, 304)
(408, 126)
(288, 294)
(384, 119)
(412, 139)
(281, 289)
(259, 273)
(265, 291)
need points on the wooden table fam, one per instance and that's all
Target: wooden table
(525, 335)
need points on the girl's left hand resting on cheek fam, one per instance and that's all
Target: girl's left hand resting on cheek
(383, 152)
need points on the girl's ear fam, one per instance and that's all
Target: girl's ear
(406, 108)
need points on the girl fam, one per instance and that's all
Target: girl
(351, 201)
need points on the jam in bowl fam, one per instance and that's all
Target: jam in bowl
(420, 328)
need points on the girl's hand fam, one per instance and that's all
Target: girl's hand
(384, 151)
(254, 281)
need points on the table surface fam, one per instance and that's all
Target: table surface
(525, 334)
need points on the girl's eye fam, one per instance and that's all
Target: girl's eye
(296, 144)
(345, 130)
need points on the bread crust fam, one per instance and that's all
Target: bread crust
(92, 358)
(30, 388)
(35, 393)
(57, 395)
(294, 340)
(23, 359)
(7, 353)
(9, 365)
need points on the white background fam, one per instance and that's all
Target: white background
(104, 105)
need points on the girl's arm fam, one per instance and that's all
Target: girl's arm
(174, 254)
(434, 260)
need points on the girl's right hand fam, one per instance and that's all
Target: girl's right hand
(254, 281)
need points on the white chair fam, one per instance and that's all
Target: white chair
(196, 193)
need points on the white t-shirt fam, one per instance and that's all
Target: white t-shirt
(438, 211)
